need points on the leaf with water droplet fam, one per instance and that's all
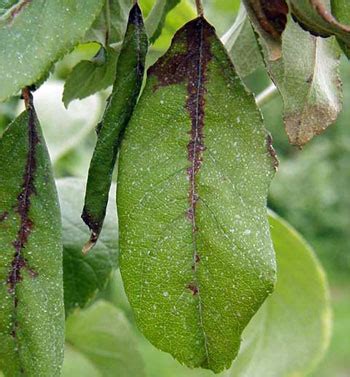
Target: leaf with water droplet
(101, 341)
(195, 166)
(35, 34)
(126, 89)
(84, 275)
(31, 289)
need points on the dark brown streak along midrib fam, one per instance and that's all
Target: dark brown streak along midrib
(22, 208)
(191, 67)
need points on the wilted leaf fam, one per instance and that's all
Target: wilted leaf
(35, 34)
(269, 19)
(291, 331)
(126, 89)
(242, 46)
(316, 16)
(31, 292)
(89, 77)
(103, 339)
(341, 11)
(307, 77)
(196, 256)
(84, 275)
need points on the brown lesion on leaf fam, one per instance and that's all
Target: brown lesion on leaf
(193, 288)
(3, 216)
(22, 208)
(272, 152)
(271, 15)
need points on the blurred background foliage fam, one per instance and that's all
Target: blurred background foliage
(311, 189)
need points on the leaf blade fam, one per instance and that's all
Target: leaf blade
(164, 273)
(31, 261)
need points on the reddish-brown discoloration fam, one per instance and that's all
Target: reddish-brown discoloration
(23, 199)
(271, 15)
(193, 288)
(272, 152)
(3, 216)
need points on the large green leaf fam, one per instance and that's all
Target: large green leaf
(84, 275)
(195, 165)
(100, 343)
(242, 46)
(291, 331)
(126, 89)
(31, 291)
(37, 33)
(289, 334)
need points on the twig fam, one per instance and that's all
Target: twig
(199, 7)
(266, 95)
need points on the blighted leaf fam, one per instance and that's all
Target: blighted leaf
(89, 77)
(31, 291)
(126, 89)
(307, 77)
(316, 16)
(341, 11)
(290, 333)
(155, 20)
(106, 345)
(269, 19)
(36, 35)
(242, 45)
(196, 256)
(83, 275)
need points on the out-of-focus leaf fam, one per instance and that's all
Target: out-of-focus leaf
(341, 11)
(242, 46)
(109, 27)
(156, 18)
(84, 275)
(35, 34)
(104, 339)
(31, 291)
(316, 16)
(196, 255)
(269, 19)
(290, 333)
(89, 77)
(64, 129)
(126, 89)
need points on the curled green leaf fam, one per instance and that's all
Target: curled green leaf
(126, 89)
(195, 165)
(31, 289)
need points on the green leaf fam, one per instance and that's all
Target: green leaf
(242, 46)
(31, 291)
(36, 34)
(290, 333)
(316, 16)
(196, 256)
(341, 11)
(101, 342)
(84, 275)
(155, 20)
(307, 77)
(109, 27)
(89, 77)
(126, 89)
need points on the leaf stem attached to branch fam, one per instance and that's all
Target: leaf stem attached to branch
(199, 6)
